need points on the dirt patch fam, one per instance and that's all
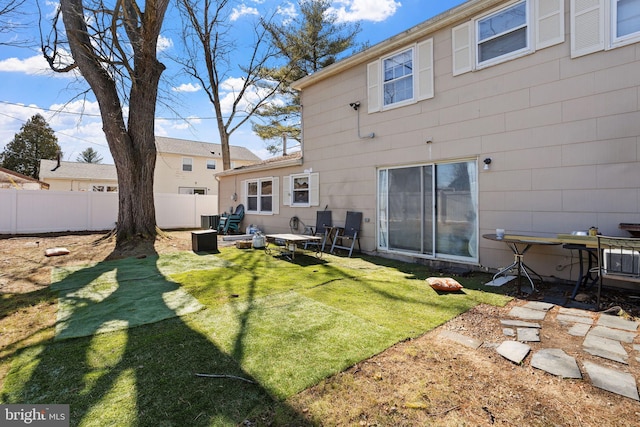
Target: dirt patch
(424, 381)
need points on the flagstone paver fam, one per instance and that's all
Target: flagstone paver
(519, 323)
(603, 334)
(539, 305)
(617, 322)
(614, 334)
(612, 380)
(514, 351)
(528, 334)
(556, 362)
(605, 348)
(461, 339)
(568, 318)
(527, 313)
(579, 330)
(574, 312)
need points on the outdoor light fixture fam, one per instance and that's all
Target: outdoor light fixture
(487, 162)
(356, 106)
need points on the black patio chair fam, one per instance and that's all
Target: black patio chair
(349, 234)
(323, 226)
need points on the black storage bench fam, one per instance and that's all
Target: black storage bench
(204, 241)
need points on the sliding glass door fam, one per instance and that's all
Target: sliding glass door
(429, 209)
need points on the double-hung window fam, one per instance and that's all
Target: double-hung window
(187, 164)
(503, 34)
(398, 77)
(211, 164)
(301, 190)
(507, 33)
(259, 195)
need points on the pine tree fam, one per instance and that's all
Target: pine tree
(308, 44)
(89, 156)
(35, 141)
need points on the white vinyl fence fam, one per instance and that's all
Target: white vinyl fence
(25, 212)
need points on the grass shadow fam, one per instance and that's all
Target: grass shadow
(142, 376)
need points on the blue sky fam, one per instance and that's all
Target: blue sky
(27, 86)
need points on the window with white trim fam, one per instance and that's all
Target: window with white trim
(259, 195)
(590, 31)
(625, 20)
(507, 33)
(187, 164)
(400, 78)
(301, 190)
(211, 164)
(503, 34)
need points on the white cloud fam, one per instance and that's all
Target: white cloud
(164, 43)
(37, 66)
(288, 12)
(187, 87)
(243, 10)
(364, 10)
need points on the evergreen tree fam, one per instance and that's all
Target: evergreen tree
(309, 43)
(89, 156)
(35, 141)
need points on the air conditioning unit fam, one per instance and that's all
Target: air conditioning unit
(621, 261)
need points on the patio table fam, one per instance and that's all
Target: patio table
(519, 245)
(291, 242)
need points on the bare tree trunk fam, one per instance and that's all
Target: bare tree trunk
(132, 145)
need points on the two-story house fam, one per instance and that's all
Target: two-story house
(182, 166)
(514, 114)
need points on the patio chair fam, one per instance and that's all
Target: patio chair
(323, 226)
(349, 234)
(231, 222)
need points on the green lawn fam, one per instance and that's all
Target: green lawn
(135, 333)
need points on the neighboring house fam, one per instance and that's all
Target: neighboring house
(75, 176)
(545, 93)
(182, 166)
(11, 179)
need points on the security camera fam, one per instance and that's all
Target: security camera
(355, 105)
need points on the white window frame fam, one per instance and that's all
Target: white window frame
(422, 77)
(187, 162)
(545, 28)
(259, 196)
(508, 55)
(616, 40)
(395, 80)
(211, 163)
(294, 190)
(313, 178)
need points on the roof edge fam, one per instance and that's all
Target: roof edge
(444, 19)
(262, 166)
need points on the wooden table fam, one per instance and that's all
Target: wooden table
(291, 242)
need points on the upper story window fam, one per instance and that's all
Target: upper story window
(398, 77)
(503, 33)
(592, 32)
(211, 164)
(187, 164)
(401, 78)
(625, 19)
(507, 33)
(260, 195)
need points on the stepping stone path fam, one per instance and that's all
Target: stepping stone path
(603, 334)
